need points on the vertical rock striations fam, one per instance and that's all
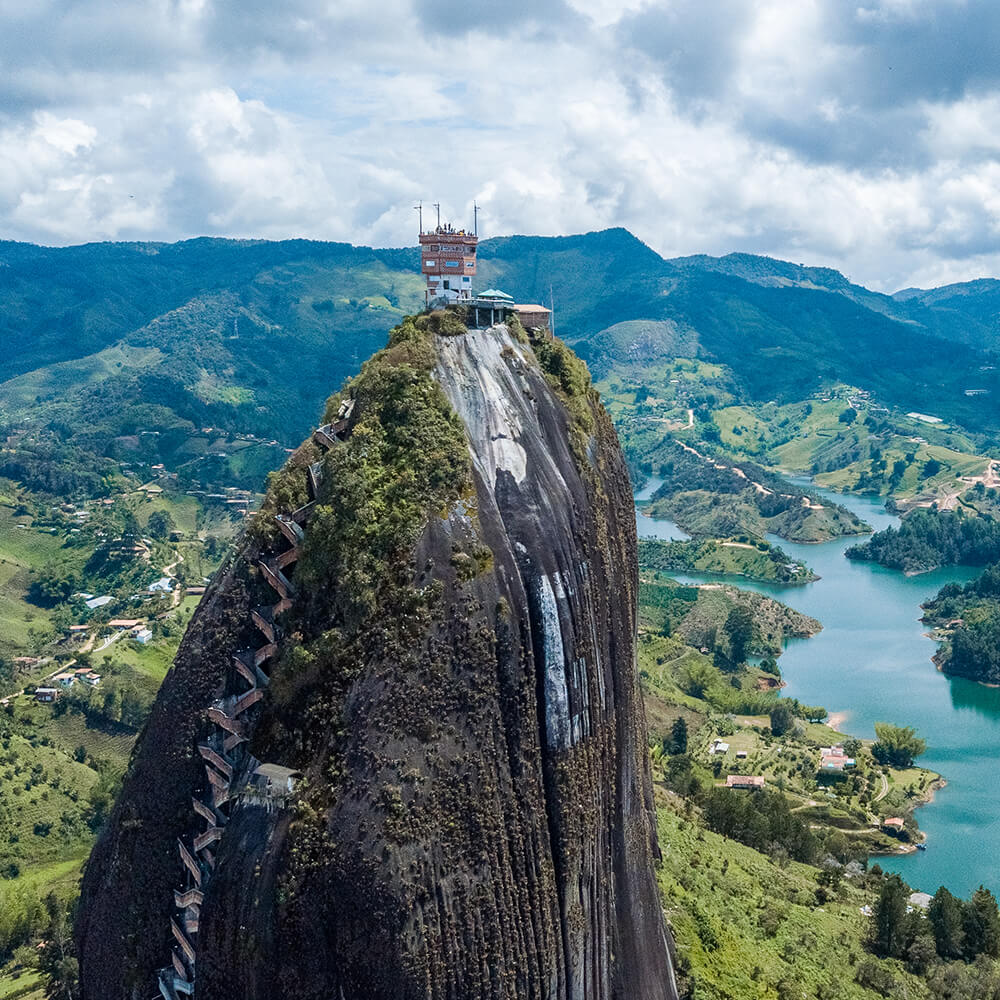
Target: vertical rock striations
(454, 681)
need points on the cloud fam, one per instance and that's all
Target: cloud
(462, 17)
(862, 136)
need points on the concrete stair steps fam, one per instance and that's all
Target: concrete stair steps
(277, 580)
(223, 721)
(263, 618)
(188, 897)
(189, 862)
(215, 758)
(210, 836)
(286, 558)
(290, 528)
(314, 479)
(232, 741)
(186, 947)
(247, 701)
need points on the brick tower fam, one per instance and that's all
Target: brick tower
(448, 259)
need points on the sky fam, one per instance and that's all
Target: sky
(860, 135)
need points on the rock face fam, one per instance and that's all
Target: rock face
(453, 680)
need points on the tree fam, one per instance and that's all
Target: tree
(814, 713)
(896, 745)
(981, 924)
(698, 679)
(770, 666)
(160, 524)
(921, 954)
(945, 916)
(679, 735)
(848, 416)
(898, 471)
(680, 775)
(739, 631)
(53, 583)
(931, 468)
(57, 958)
(889, 926)
(782, 718)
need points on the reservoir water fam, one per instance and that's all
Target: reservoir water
(872, 662)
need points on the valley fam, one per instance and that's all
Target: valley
(762, 454)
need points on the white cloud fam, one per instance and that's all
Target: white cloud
(800, 128)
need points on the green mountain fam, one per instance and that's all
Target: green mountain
(105, 344)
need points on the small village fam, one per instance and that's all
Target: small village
(811, 774)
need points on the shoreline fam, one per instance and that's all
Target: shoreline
(940, 661)
(836, 719)
(800, 581)
(926, 797)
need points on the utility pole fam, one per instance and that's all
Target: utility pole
(419, 207)
(552, 312)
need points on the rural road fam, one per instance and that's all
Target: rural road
(884, 790)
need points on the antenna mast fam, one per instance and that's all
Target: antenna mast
(475, 219)
(437, 205)
(419, 207)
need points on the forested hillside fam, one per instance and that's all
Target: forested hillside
(257, 331)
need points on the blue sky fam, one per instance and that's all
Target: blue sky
(863, 135)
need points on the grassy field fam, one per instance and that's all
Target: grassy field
(183, 509)
(747, 927)
(23, 548)
(914, 483)
(758, 560)
(152, 660)
(44, 794)
(17, 983)
(68, 731)
(819, 436)
(659, 396)
(811, 437)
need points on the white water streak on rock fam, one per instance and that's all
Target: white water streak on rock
(557, 722)
(480, 373)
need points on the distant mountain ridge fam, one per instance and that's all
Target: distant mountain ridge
(251, 333)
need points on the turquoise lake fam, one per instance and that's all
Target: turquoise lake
(872, 662)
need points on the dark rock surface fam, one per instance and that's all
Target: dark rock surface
(475, 818)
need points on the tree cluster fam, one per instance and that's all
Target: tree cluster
(896, 746)
(926, 539)
(951, 929)
(762, 820)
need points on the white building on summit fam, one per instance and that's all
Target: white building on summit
(448, 262)
(448, 259)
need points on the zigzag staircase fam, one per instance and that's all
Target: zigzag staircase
(223, 751)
